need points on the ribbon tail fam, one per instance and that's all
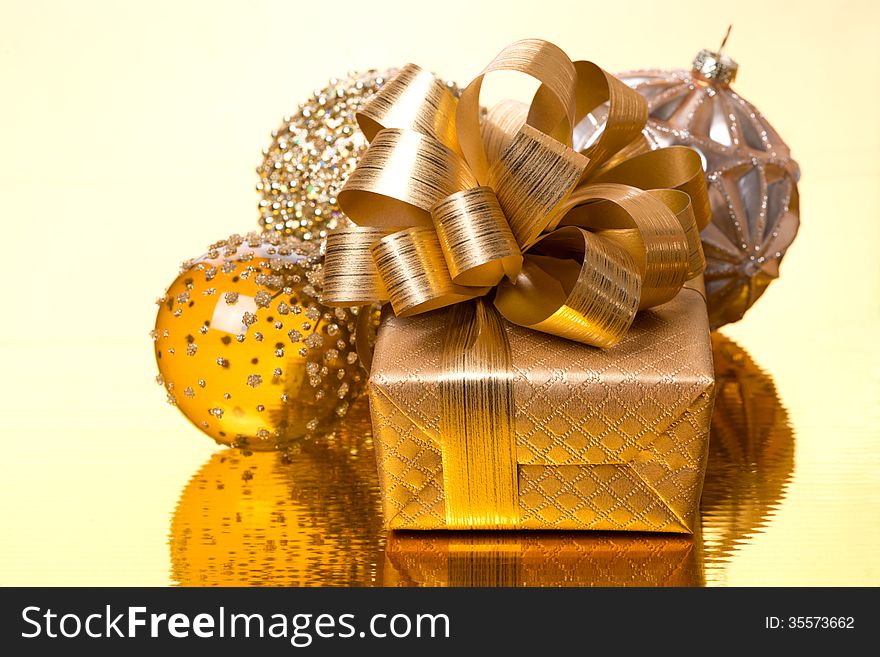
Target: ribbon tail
(364, 337)
(477, 421)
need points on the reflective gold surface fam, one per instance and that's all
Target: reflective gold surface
(130, 136)
(310, 518)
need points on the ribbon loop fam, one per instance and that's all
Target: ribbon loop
(679, 203)
(673, 167)
(627, 113)
(413, 99)
(554, 107)
(400, 178)
(453, 201)
(476, 240)
(532, 179)
(500, 126)
(411, 265)
(350, 273)
(641, 224)
(575, 285)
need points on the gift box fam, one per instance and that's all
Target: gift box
(541, 559)
(547, 364)
(604, 439)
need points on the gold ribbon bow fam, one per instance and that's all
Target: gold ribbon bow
(451, 202)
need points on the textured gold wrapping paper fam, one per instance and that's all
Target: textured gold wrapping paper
(613, 439)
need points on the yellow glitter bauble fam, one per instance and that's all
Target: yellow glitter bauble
(311, 156)
(247, 351)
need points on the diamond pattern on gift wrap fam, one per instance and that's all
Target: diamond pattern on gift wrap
(644, 402)
(634, 390)
(415, 355)
(410, 469)
(590, 497)
(674, 465)
(658, 491)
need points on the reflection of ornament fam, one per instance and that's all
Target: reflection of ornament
(311, 156)
(245, 348)
(752, 177)
(751, 453)
(312, 518)
(541, 559)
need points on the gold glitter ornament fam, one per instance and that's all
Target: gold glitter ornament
(311, 156)
(750, 173)
(246, 350)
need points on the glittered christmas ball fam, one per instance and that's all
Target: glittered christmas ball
(308, 518)
(246, 350)
(311, 156)
(751, 175)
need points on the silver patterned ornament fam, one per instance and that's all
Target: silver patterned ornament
(751, 175)
(311, 156)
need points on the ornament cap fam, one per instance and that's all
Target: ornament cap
(715, 67)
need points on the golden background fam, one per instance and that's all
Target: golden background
(129, 138)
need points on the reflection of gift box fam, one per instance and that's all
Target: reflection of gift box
(612, 439)
(540, 559)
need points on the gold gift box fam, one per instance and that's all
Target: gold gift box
(541, 559)
(613, 439)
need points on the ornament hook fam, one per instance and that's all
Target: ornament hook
(724, 40)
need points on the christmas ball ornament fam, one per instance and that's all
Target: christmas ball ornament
(311, 156)
(751, 175)
(246, 350)
(308, 518)
(751, 454)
